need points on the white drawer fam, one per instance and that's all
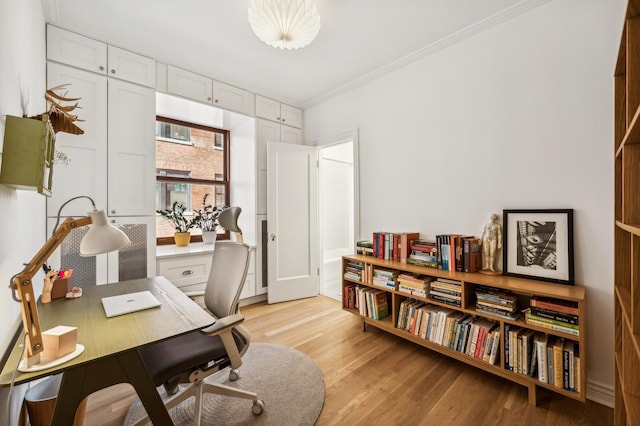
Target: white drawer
(186, 270)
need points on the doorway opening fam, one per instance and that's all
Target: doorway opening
(337, 210)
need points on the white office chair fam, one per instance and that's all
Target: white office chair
(192, 357)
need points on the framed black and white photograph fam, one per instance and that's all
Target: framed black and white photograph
(538, 244)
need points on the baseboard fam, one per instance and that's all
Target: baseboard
(251, 300)
(600, 393)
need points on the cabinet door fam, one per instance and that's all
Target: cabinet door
(76, 50)
(229, 97)
(290, 135)
(267, 131)
(131, 67)
(189, 273)
(190, 85)
(131, 157)
(290, 116)
(138, 260)
(87, 173)
(267, 108)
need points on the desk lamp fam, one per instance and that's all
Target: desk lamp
(100, 238)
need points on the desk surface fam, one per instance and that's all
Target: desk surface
(102, 336)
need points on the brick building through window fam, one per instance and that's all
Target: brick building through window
(191, 160)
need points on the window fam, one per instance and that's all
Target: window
(173, 131)
(191, 160)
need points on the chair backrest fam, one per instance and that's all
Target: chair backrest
(226, 279)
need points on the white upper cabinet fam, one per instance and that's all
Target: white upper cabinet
(92, 55)
(190, 85)
(268, 131)
(230, 97)
(128, 66)
(203, 89)
(76, 50)
(131, 157)
(276, 111)
(87, 172)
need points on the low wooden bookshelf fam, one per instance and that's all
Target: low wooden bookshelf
(525, 289)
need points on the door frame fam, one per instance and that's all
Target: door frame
(346, 136)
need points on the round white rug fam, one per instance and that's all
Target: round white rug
(288, 381)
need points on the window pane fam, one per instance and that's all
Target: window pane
(194, 195)
(202, 158)
(172, 131)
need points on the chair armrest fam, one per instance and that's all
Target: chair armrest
(223, 324)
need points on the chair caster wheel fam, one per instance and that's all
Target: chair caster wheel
(234, 375)
(258, 407)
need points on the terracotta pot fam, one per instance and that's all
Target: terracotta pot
(182, 238)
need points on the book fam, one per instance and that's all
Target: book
(380, 305)
(567, 365)
(472, 256)
(558, 377)
(540, 342)
(554, 315)
(530, 320)
(558, 305)
(551, 321)
(405, 244)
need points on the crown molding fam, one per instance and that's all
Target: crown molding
(463, 34)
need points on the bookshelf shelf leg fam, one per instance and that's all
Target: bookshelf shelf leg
(533, 394)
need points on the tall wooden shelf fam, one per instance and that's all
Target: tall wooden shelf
(524, 288)
(627, 222)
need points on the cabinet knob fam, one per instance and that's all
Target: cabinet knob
(187, 272)
(283, 120)
(273, 237)
(101, 68)
(209, 98)
(216, 101)
(278, 118)
(113, 71)
(113, 221)
(113, 212)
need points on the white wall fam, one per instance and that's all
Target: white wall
(22, 213)
(518, 116)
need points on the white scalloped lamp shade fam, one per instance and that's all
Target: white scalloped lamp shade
(102, 237)
(285, 24)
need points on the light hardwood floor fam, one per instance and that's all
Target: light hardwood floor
(373, 378)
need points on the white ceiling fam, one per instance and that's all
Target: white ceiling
(358, 40)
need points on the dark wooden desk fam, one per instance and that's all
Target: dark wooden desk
(111, 344)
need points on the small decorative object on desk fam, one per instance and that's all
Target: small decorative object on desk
(490, 242)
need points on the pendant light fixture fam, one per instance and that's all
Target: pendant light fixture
(285, 24)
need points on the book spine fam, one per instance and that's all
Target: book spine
(554, 307)
(535, 320)
(553, 315)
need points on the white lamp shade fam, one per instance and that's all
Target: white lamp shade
(285, 24)
(102, 237)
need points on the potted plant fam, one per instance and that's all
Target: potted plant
(206, 219)
(175, 216)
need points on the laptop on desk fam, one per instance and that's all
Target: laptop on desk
(128, 303)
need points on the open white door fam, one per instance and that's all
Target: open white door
(292, 175)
